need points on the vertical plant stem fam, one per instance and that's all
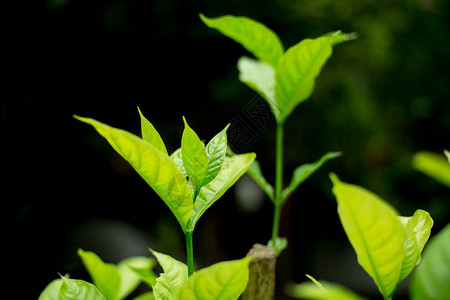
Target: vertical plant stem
(190, 252)
(278, 179)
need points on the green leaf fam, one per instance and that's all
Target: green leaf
(232, 169)
(195, 159)
(255, 172)
(222, 281)
(447, 153)
(72, 289)
(433, 165)
(156, 168)
(375, 232)
(431, 280)
(51, 291)
(176, 158)
(279, 244)
(298, 68)
(145, 296)
(150, 135)
(168, 283)
(257, 38)
(216, 151)
(418, 229)
(304, 171)
(321, 290)
(105, 276)
(132, 271)
(260, 77)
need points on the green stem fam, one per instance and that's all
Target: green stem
(278, 180)
(190, 252)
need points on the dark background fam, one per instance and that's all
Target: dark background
(379, 100)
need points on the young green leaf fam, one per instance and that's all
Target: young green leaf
(298, 68)
(168, 283)
(222, 281)
(156, 168)
(447, 154)
(279, 244)
(132, 271)
(195, 159)
(375, 232)
(51, 291)
(321, 290)
(433, 165)
(72, 289)
(150, 135)
(257, 38)
(431, 280)
(105, 276)
(232, 169)
(216, 151)
(176, 158)
(255, 172)
(418, 229)
(304, 171)
(260, 77)
(145, 296)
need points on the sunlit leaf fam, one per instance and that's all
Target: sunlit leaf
(145, 296)
(257, 38)
(375, 232)
(156, 168)
(260, 77)
(51, 291)
(232, 169)
(216, 151)
(321, 290)
(298, 68)
(72, 289)
(222, 281)
(132, 271)
(418, 229)
(150, 135)
(175, 274)
(176, 158)
(433, 165)
(447, 153)
(255, 172)
(431, 280)
(195, 159)
(301, 173)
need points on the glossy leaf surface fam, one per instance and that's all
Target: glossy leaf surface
(418, 229)
(255, 172)
(260, 77)
(193, 155)
(301, 173)
(156, 168)
(232, 169)
(431, 280)
(257, 38)
(168, 283)
(150, 135)
(222, 281)
(375, 232)
(216, 151)
(72, 289)
(433, 165)
(105, 276)
(298, 68)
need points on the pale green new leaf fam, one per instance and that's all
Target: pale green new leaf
(175, 274)
(145, 296)
(150, 135)
(221, 281)
(105, 276)
(132, 271)
(176, 158)
(418, 229)
(232, 169)
(51, 291)
(72, 289)
(433, 165)
(216, 150)
(375, 232)
(255, 172)
(260, 77)
(431, 279)
(257, 38)
(156, 168)
(301, 173)
(195, 159)
(447, 154)
(298, 68)
(279, 244)
(321, 290)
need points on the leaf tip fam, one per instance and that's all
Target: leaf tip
(334, 178)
